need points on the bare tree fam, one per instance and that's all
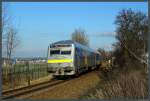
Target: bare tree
(80, 36)
(132, 36)
(9, 33)
(9, 38)
(105, 54)
(11, 42)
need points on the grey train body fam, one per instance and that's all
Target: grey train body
(71, 58)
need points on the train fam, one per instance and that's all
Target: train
(67, 57)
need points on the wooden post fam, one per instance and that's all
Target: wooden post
(14, 77)
(32, 73)
(38, 71)
(28, 73)
(11, 76)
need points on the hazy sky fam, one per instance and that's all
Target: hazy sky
(40, 24)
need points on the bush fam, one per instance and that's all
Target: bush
(128, 85)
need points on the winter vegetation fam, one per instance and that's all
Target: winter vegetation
(124, 69)
(129, 77)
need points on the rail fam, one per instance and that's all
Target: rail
(26, 90)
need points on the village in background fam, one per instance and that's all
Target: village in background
(23, 60)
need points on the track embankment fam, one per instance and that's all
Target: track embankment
(71, 89)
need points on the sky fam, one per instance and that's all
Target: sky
(41, 23)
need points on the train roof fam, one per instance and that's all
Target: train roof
(64, 42)
(69, 42)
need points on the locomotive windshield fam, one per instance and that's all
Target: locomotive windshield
(65, 52)
(58, 52)
(60, 49)
(55, 52)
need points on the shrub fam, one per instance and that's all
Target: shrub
(128, 85)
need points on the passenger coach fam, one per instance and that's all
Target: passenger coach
(71, 58)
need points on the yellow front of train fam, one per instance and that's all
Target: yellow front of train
(60, 60)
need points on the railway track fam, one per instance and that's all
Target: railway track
(31, 89)
(37, 87)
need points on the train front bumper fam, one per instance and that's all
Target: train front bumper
(64, 72)
(61, 69)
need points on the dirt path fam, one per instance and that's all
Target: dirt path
(72, 89)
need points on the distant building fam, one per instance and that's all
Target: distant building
(5, 61)
(30, 60)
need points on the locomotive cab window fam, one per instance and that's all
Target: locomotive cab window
(65, 52)
(54, 52)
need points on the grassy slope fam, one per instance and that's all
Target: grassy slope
(131, 83)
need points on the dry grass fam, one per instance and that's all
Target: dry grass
(130, 84)
(72, 89)
(33, 82)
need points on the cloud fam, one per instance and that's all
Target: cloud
(104, 34)
(108, 34)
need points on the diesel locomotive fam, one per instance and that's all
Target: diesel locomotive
(71, 58)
